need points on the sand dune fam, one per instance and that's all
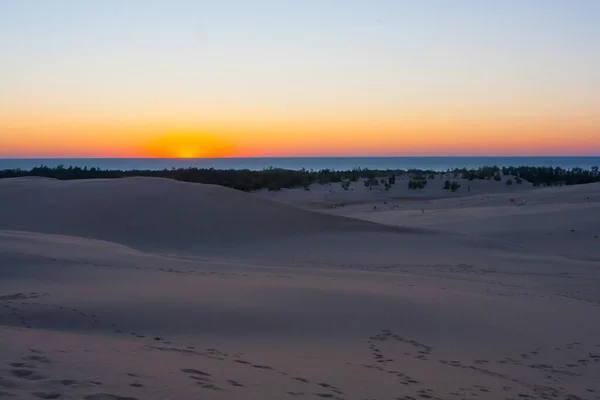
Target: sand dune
(158, 214)
(152, 289)
(561, 220)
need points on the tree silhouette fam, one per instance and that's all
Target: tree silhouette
(276, 178)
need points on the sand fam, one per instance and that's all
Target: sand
(155, 289)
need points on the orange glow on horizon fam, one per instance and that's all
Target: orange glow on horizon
(187, 145)
(416, 137)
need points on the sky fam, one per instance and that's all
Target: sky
(255, 78)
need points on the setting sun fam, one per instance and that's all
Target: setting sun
(187, 154)
(187, 145)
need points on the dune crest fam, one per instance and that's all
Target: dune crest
(159, 214)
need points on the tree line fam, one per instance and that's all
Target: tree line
(538, 176)
(277, 178)
(240, 179)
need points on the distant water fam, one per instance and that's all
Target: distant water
(296, 163)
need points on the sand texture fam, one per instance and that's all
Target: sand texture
(147, 288)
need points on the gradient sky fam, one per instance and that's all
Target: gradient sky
(143, 78)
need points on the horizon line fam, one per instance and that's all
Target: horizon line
(305, 157)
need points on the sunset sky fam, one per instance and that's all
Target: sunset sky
(144, 78)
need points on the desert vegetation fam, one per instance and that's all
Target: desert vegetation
(419, 181)
(451, 186)
(538, 176)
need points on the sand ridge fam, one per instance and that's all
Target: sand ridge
(158, 214)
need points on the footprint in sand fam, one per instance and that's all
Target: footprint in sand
(192, 371)
(68, 382)
(262, 366)
(202, 378)
(21, 365)
(40, 359)
(27, 374)
(49, 396)
(212, 387)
